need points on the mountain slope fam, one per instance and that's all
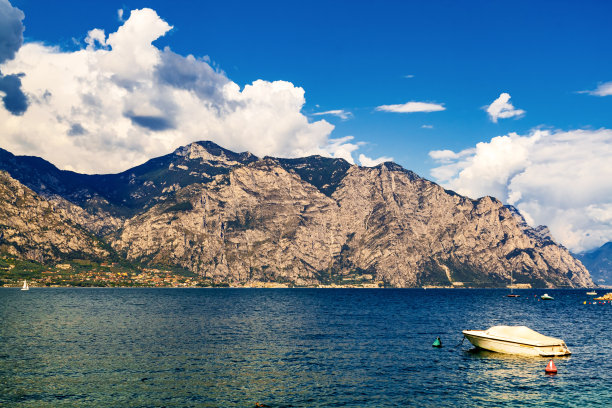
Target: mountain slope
(599, 263)
(263, 222)
(34, 228)
(406, 224)
(127, 193)
(236, 218)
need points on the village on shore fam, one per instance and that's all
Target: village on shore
(84, 273)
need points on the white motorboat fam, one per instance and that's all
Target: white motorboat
(517, 340)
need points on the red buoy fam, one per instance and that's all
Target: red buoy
(551, 368)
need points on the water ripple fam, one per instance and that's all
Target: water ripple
(292, 348)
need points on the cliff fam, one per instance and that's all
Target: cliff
(32, 227)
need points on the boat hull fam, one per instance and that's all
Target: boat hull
(480, 340)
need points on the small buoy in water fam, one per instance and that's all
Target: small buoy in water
(437, 342)
(551, 368)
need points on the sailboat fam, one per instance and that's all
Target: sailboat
(25, 286)
(511, 294)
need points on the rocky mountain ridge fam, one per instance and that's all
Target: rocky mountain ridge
(233, 217)
(599, 263)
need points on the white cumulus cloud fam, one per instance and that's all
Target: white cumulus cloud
(561, 179)
(501, 108)
(369, 162)
(120, 101)
(411, 107)
(448, 155)
(341, 113)
(95, 36)
(604, 89)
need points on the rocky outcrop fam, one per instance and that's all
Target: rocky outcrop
(413, 232)
(32, 227)
(257, 222)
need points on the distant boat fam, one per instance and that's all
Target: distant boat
(25, 286)
(546, 296)
(511, 287)
(517, 340)
(592, 293)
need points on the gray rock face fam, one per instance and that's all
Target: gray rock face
(32, 227)
(262, 221)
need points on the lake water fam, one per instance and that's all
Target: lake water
(293, 348)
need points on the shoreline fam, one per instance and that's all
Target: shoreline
(323, 287)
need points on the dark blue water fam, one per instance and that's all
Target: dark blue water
(292, 347)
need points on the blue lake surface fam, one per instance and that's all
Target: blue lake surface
(293, 348)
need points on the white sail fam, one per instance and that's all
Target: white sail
(25, 286)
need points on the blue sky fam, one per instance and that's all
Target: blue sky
(355, 57)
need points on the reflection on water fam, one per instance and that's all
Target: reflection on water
(301, 348)
(509, 378)
(486, 354)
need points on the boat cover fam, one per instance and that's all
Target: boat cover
(521, 334)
